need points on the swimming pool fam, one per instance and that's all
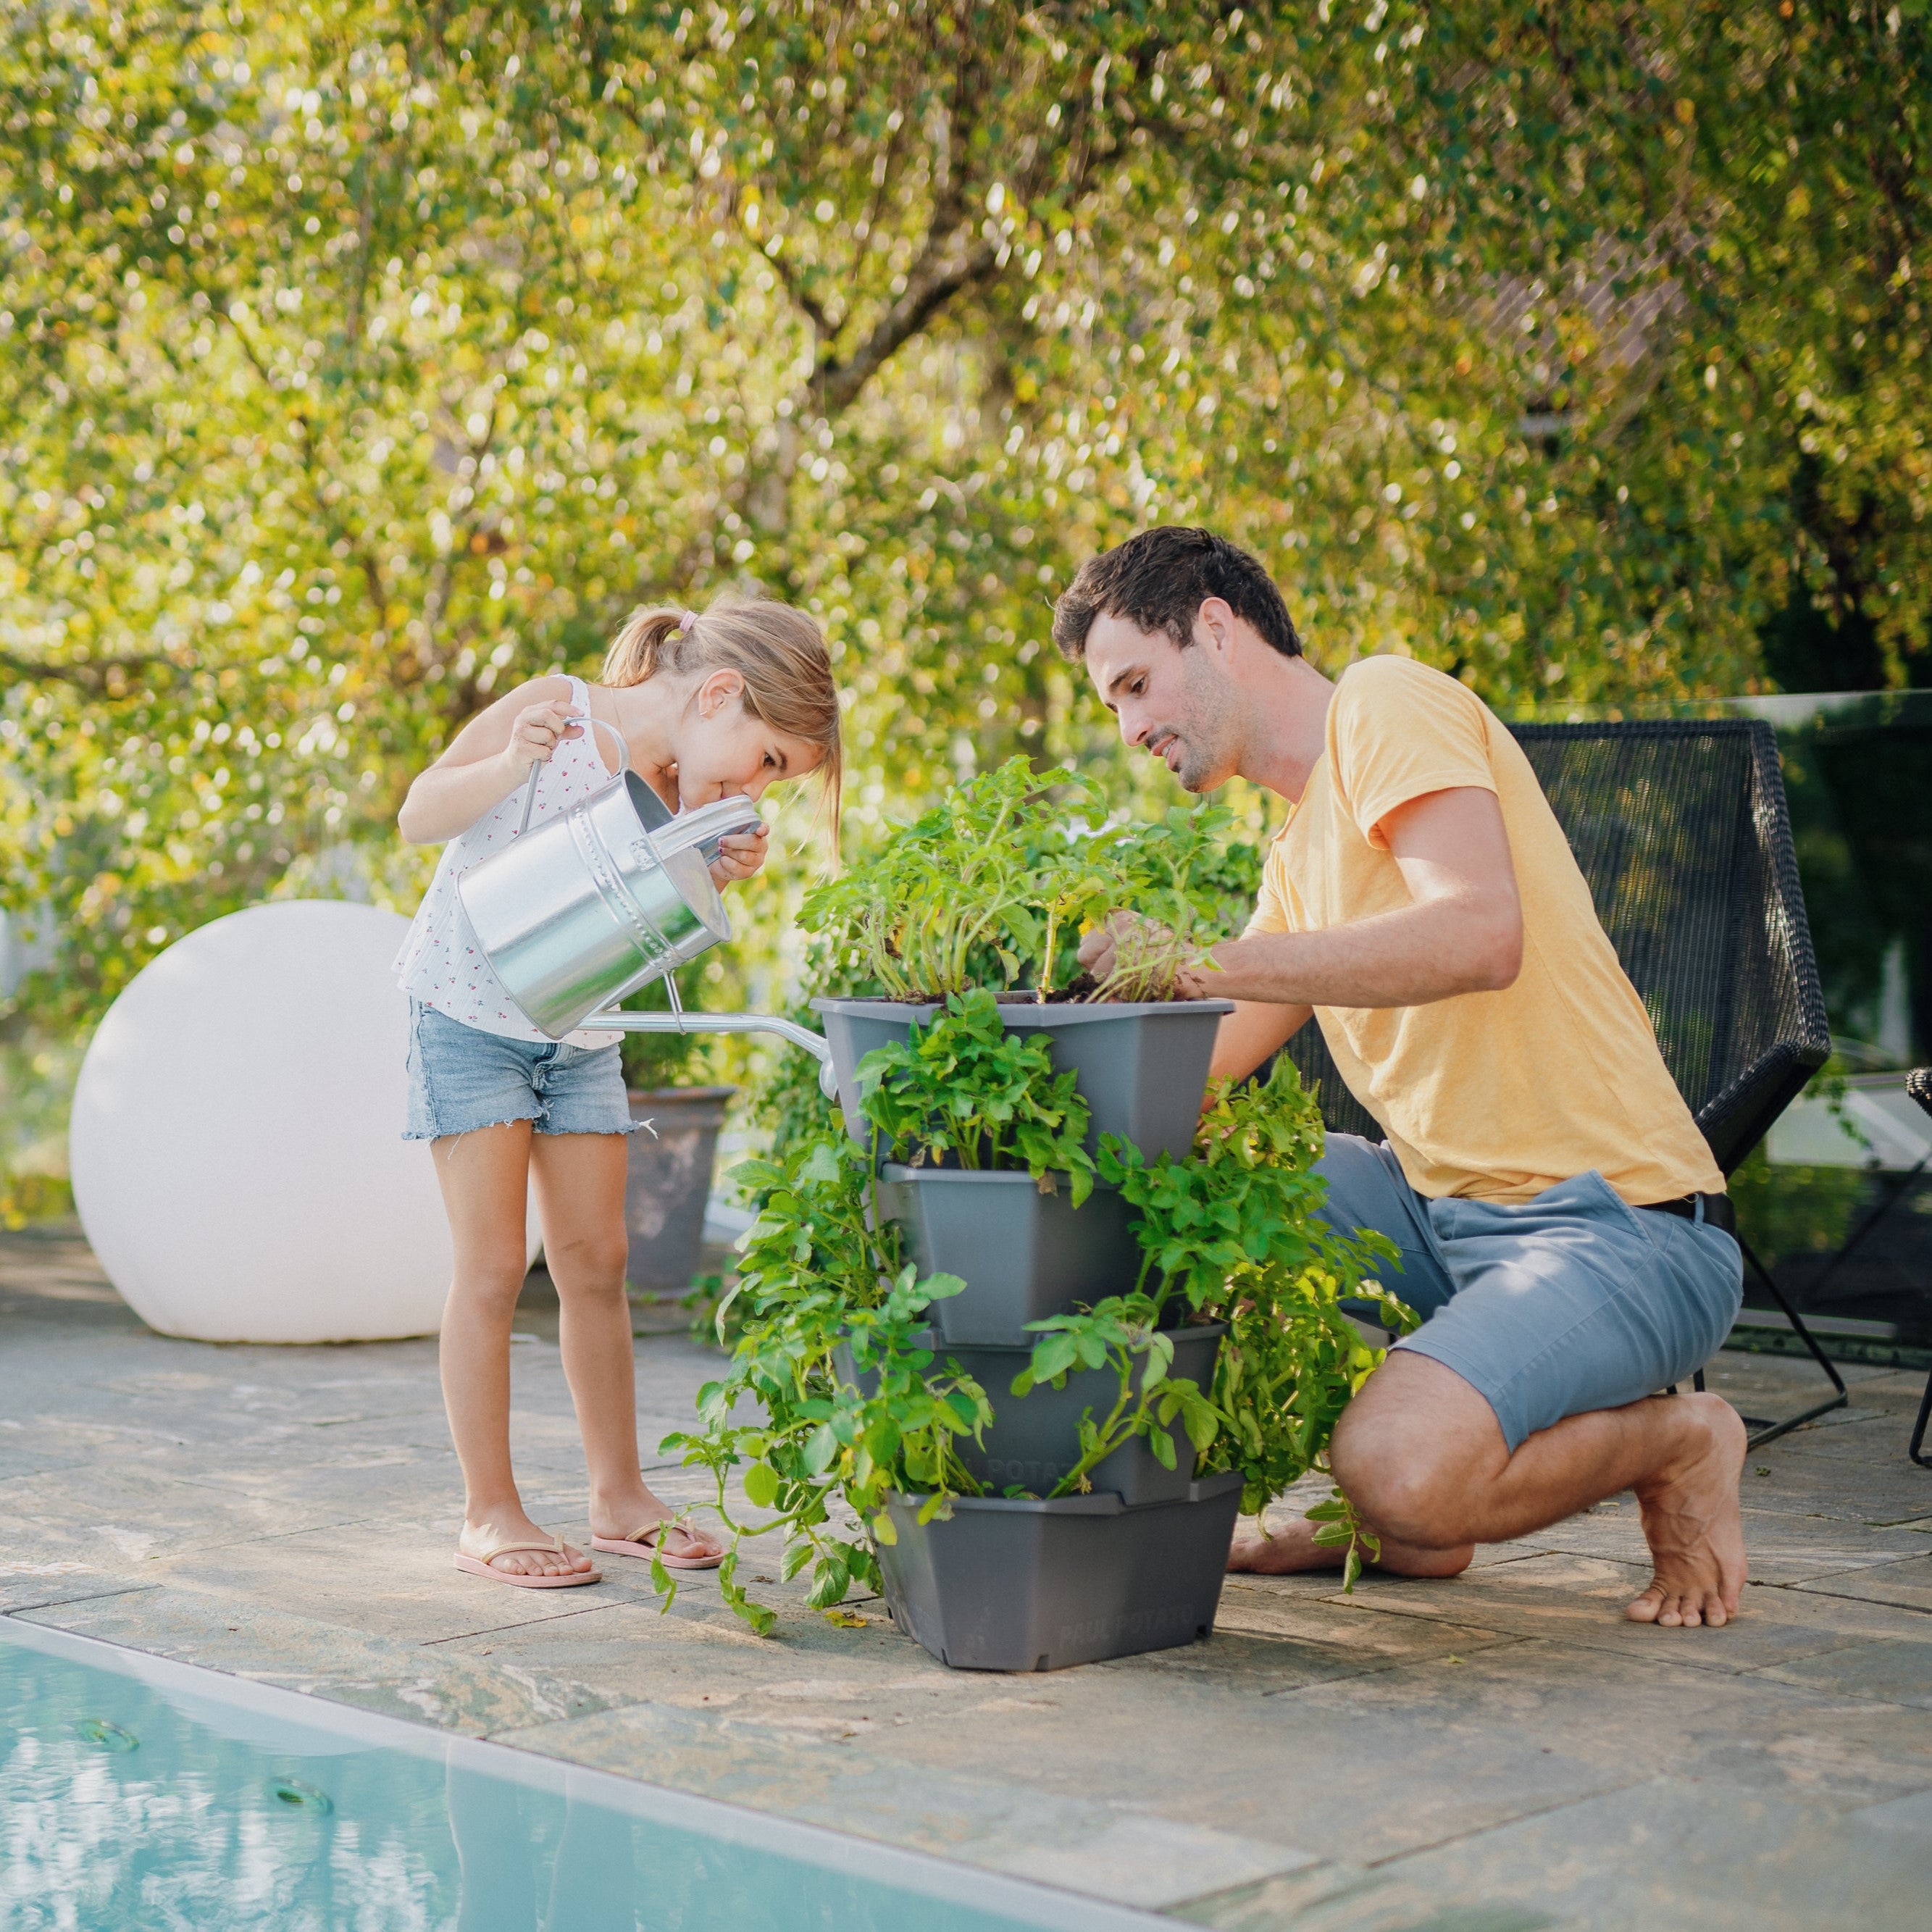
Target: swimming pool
(137, 1792)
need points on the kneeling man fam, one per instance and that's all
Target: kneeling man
(1563, 1229)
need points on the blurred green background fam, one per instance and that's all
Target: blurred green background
(359, 361)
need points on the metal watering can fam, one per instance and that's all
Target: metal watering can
(605, 897)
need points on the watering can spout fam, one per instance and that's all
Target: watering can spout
(678, 1020)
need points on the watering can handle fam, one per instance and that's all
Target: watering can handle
(536, 770)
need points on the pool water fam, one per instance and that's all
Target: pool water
(139, 1793)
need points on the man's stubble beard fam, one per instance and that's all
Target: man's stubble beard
(1210, 730)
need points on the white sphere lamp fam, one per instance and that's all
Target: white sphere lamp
(235, 1144)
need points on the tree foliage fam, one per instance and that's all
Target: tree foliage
(355, 361)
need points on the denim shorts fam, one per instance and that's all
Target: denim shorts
(1572, 1301)
(462, 1079)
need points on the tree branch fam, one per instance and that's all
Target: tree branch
(839, 383)
(947, 263)
(795, 287)
(101, 677)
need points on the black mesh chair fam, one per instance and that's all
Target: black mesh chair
(1918, 1084)
(1681, 829)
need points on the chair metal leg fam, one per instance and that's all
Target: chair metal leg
(1916, 1449)
(1764, 1429)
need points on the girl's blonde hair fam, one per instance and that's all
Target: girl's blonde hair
(780, 653)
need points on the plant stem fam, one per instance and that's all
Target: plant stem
(1105, 1440)
(1045, 980)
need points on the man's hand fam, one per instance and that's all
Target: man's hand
(1125, 940)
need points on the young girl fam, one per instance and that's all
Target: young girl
(726, 702)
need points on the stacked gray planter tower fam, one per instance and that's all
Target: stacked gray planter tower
(1135, 1564)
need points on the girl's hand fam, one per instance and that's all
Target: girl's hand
(740, 855)
(534, 736)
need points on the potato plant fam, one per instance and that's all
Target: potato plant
(991, 888)
(1234, 1232)
(853, 1404)
(964, 1089)
(821, 1270)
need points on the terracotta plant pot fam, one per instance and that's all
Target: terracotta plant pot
(669, 1180)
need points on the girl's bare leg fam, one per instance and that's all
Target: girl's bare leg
(485, 1177)
(580, 1182)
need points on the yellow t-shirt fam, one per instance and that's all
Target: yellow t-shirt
(1492, 1095)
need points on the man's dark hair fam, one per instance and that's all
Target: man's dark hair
(1159, 579)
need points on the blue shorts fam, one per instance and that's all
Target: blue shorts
(1575, 1300)
(462, 1079)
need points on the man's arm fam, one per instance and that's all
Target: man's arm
(1247, 1036)
(1461, 931)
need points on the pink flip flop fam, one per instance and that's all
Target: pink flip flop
(481, 1566)
(644, 1543)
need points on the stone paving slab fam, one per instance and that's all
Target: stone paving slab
(1501, 1752)
(1578, 1601)
(1006, 1822)
(1784, 1546)
(399, 1677)
(1907, 1584)
(1672, 1852)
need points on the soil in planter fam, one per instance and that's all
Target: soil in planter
(1000, 1586)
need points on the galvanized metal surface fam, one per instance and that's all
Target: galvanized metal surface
(593, 904)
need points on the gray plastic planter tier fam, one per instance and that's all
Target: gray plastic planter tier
(1143, 1069)
(1005, 1586)
(1023, 1255)
(1034, 1439)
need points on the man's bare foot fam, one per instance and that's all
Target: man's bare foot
(1692, 1523)
(1292, 1548)
(513, 1526)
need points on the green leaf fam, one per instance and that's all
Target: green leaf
(821, 1164)
(830, 1581)
(1053, 1357)
(761, 1485)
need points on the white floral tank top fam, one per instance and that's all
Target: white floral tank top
(440, 963)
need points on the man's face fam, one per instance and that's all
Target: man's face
(1178, 703)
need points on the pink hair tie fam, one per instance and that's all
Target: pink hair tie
(688, 623)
